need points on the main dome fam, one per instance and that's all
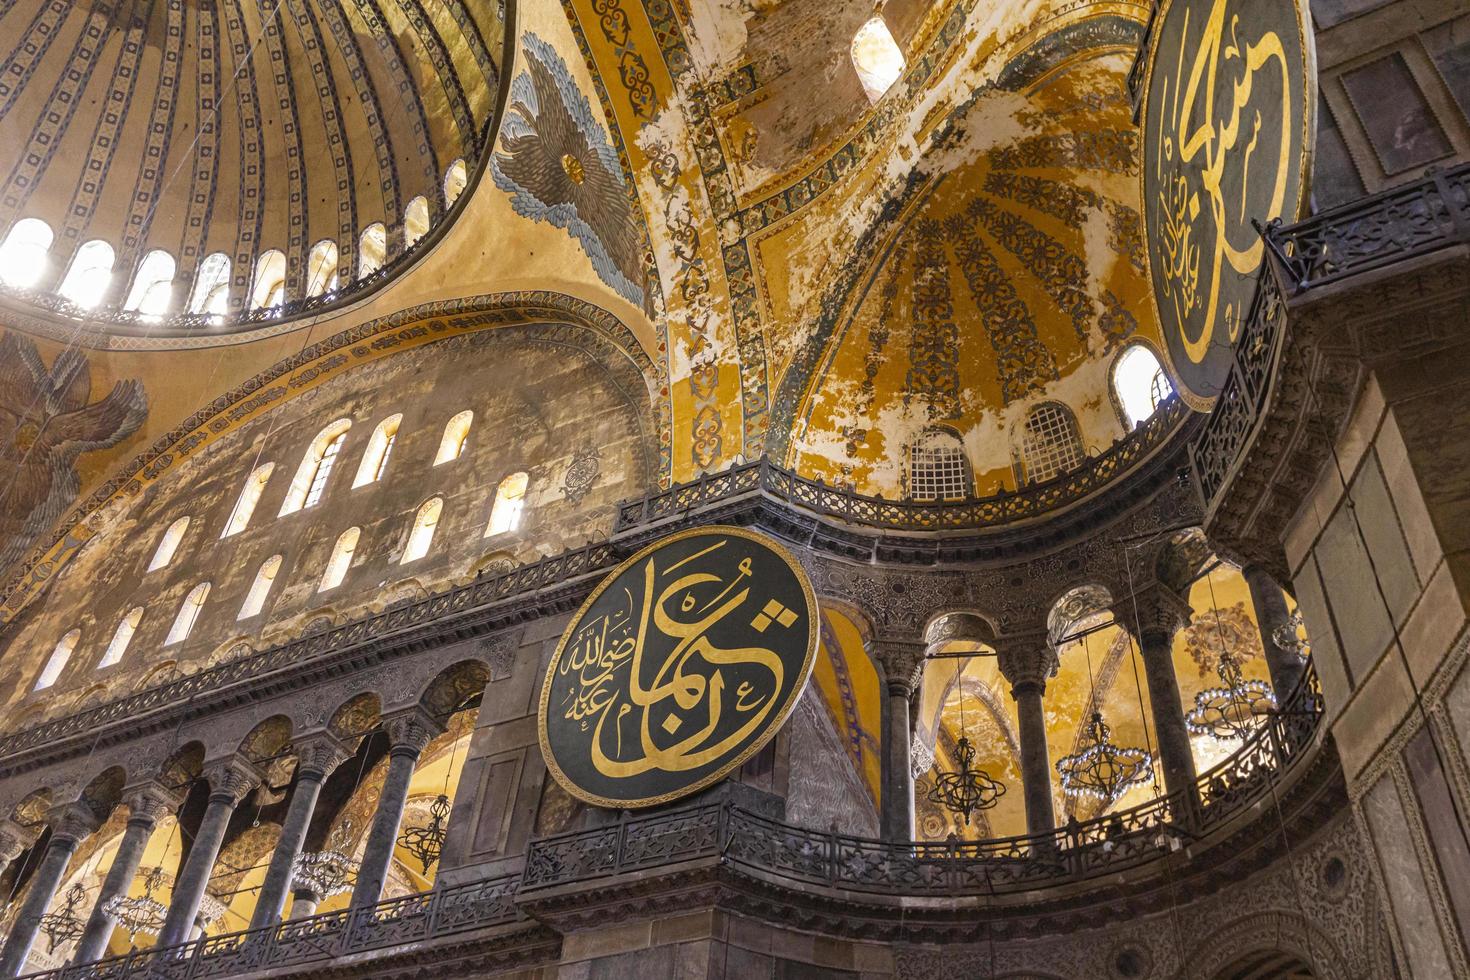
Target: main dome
(198, 166)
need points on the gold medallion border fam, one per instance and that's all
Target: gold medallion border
(784, 712)
(1309, 132)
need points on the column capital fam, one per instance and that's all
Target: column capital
(73, 821)
(1027, 661)
(1152, 610)
(902, 662)
(14, 838)
(150, 801)
(319, 753)
(411, 729)
(232, 778)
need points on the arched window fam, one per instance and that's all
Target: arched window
(153, 286)
(121, 637)
(249, 497)
(89, 274)
(311, 476)
(415, 220)
(60, 654)
(265, 576)
(510, 499)
(456, 434)
(169, 544)
(188, 613)
(1139, 384)
(269, 288)
(341, 558)
(23, 254)
(939, 468)
(455, 179)
(321, 268)
(1050, 442)
(211, 292)
(877, 58)
(422, 534)
(372, 249)
(379, 448)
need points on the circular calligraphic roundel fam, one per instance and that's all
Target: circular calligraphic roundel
(683, 663)
(1228, 125)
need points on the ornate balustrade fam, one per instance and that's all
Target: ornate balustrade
(319, 939)
(1035, 500)
(1105, 846)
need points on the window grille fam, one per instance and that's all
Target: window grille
(1051, 443)
(324, 469)
(939, 468)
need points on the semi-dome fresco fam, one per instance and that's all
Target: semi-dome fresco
(702, 488)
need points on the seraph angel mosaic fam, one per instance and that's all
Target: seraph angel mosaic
(558, 166)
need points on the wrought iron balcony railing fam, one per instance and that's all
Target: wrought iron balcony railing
(321, 938)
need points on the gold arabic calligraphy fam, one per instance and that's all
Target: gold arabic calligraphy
(610, 655)
(1195, 144)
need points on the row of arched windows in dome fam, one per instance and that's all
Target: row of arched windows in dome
(1049, 441)
(25, 253)
(307, 489)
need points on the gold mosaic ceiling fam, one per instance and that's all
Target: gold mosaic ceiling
(234, 127)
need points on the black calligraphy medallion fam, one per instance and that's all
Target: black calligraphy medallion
(1228, 126)
(681, 665)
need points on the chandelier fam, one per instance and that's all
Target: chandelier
(143, 914)
(425, 843)
(65, 926)
(1288, 636)
(1234, 710)
(1103, 770)
(967, 789)
(326, 873)
(211, 910)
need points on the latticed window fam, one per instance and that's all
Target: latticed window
(1139, 384)
(316, 466)
(59, 656)
(1050, 442)
(938, 467)
(188, 613)
(121, 637)
(380, 447)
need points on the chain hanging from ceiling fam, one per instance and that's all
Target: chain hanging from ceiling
(64, 925)
(142, 913)
(966, 789)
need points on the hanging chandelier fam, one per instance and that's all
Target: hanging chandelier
(143, 914)
(211, 910)
(325, 873)
(1103, 770)
(1233, 711)
(426, 843)
(967, 789)
(1288, 636)
(65, 926)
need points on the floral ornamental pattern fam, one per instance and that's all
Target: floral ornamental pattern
(557, 164)
(47, 420)
(582, 473)
(1230, 629)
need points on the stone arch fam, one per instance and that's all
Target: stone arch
(167, 670)
(454, 686)
(1073, 607)
(357, 716)
(1181, 557)
(268, 739)
(1276, 932)
(960, 624)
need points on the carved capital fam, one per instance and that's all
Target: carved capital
(410, 730)
(150, 802)
(318, 754)
(902, 662)
(1027, 662)
(73, 822)
(13, 839)
(1153, 612)
(232, 778)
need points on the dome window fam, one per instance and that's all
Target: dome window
(1050, 442)
(249, 497)
(60, 654)
(23, 255)
(212, 286)
(342, 553)
(310, 481)
(188, 614)
(877, 58)
(168, 546)
(939, 468)
(89, 275)
(321, 268)
(1139, 384)
(265, 577)
(456, 434)
(424, 523)
(153, 286)
(372, 249)
(415, 220)
(121, 637)
(269, 289)
(510, 500)
(380, 447)
(455, 179)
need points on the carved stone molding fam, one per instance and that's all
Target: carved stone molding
(411, 730)
(150, 801)
(73, 821)
(232, 778)
(13, 839)
(319, 753)
(1153, 611)
(1026, 662)
(903, 664)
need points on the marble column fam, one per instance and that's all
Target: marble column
(70, 824)
(316, 756)
(1154, 616)
(902, 664)
(408, 734)
(229, 781)
(146, 804)
(1272, 615)
(1027, 662)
